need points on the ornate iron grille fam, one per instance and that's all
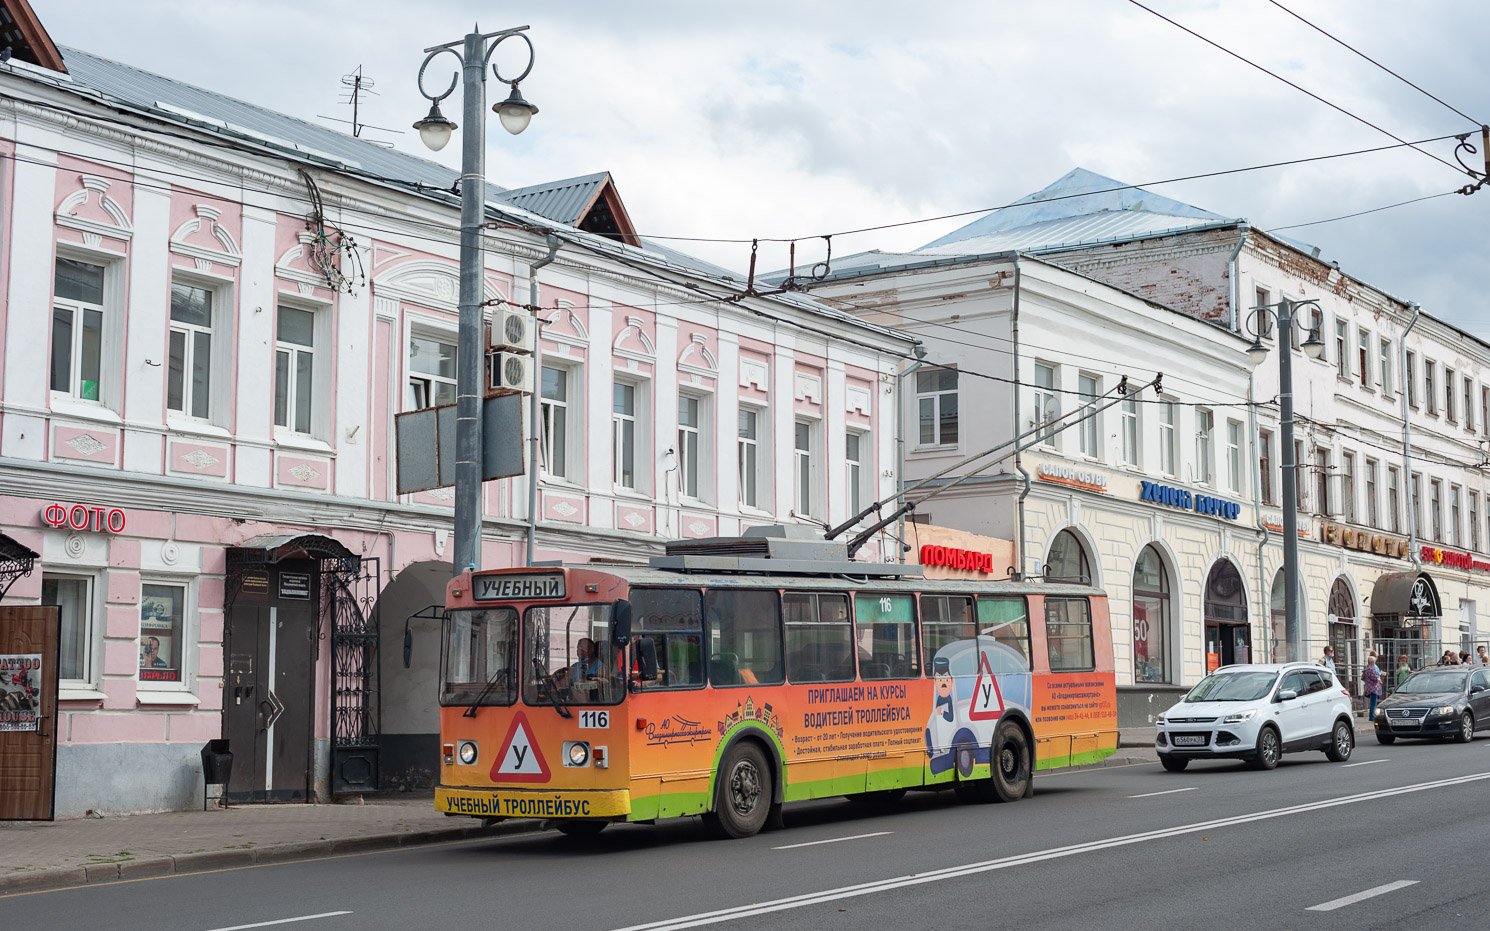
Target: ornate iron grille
(349, 603)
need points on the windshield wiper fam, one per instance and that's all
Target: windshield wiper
(491, 683)
(552, 688)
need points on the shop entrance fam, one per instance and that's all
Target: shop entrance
(1228, 637)
(28, 710)
(268, 703)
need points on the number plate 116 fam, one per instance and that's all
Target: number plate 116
(593, 720)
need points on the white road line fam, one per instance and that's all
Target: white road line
(970, 869)
(1165, 792)
(1362, 763)
(1372, 893)
(833, 840)
(282, 921)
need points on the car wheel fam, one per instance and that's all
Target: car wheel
(1466, 728)
(1175, 764)
(1268, 749)
(1387, 739)
(1342, 742)
(742, 795)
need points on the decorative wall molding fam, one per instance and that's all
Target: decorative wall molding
(430, 283)
(696, 359)
(119, 227)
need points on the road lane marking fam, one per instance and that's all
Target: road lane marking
(833, 840)
(283, 921)
(1165, 792)
(1371, 893)
(1055, 853)
(1362, 763)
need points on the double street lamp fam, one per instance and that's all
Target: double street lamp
(1286, 314)
(474, 53)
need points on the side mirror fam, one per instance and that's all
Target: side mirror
(1476, 688)
(1287, 695)
(620, 627)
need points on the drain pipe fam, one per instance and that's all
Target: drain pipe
(1236, 286)
(553, 248)
(1412, 517)
(1018, 406)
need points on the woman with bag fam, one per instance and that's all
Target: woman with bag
(1372, 677)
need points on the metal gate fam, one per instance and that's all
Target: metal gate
(349, 599)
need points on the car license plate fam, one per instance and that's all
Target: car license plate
(1188, 740)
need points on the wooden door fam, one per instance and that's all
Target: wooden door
(28, 711)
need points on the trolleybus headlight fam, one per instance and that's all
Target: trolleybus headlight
(467, 752)
(577, 753)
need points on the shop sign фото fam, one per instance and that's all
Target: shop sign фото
(1366, 542)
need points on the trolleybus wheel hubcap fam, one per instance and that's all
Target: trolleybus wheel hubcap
(744, 787)
(1008, 761)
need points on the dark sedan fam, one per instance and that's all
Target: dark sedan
(1440, 701)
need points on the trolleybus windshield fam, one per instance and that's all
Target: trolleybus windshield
(480, 657)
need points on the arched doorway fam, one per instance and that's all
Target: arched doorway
(1278, 620)
(411, 670)
(1151, 614)
(1344, 633)
(1228, 639)
(1067, 560)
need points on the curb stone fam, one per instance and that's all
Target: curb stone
(71, 876)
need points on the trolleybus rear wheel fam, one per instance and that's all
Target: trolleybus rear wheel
(742, 792)
(1011, 762)
(581, 828)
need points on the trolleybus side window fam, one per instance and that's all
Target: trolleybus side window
(569, 657)
(744, 628)
(887, 636)
(672, 619)
(1006, 619)
(819, 637)
(1068, 634)
(480, 657)
(945, 619)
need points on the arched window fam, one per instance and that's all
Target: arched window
(1228, 637)
(1277, 611)
(1342, 605)
(1067, 561)
(1150, 618)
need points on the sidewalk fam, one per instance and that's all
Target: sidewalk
(41, 854)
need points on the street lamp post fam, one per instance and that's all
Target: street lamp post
(474, 53)
(1286, 313)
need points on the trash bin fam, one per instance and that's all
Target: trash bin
(217, 766)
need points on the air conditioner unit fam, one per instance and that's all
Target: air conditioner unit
(512, 330)
(508, 373)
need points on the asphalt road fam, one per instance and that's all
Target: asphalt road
(1218, 846)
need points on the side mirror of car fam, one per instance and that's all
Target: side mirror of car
(1287, 695)
(1476, 688)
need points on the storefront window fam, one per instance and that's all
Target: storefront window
(1150, 618)
(1228, 638)
(1067, 561)
(1343, 634)
(161, 610)
(74, 596)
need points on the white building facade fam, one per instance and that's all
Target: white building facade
(211, 316)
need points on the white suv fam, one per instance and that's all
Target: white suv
(1257, 713)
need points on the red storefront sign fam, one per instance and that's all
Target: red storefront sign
(953, 558)
(84, 517)
(1456, 560)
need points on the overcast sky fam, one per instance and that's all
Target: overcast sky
(793, 119)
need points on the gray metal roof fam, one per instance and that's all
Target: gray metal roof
(561, 201)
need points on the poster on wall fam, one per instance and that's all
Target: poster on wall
(158, 628)
(20, 691)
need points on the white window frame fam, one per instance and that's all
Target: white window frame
(1342, 348)
(805, 469)
(1234, 456)
(1046, 405)
(320, 372)
(91, 635)
(1384, 366)
(1468, 404)
(1088, 430)
(1132, 435)
(1363, 351)
(1168, 446)
(1347, 486)
(1393, 500)
(1474, 521)
(1205, 429)
(702, 434)
(220, 355)
(1410, 379)
(1373, 512)
(190, 632)
(936, 397)
(758, 446)
(111, 331)
(1456, 515)
(433, 334)
(573, 430)
(1449, 390)
(638, 431)
(856, 473)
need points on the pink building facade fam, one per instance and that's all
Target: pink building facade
(198, 386)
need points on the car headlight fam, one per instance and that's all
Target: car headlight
(1238, 718)
(467, 752)
(1159, 721)
(1444, 709)
(579, 753)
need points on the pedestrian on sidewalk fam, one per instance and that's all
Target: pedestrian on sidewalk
(1372, 677)
(1404, 669)
(1329, 658)
(1463, 657)
(1482, 658)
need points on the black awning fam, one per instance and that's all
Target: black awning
(16, 560)
(1408, 594)
(270, 548)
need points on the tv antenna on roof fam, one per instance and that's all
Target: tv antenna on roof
(357, 85)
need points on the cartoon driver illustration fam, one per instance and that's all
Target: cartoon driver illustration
(944, 723)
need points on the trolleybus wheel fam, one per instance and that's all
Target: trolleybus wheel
(1010, 757)
(742, 792)
(581, 828)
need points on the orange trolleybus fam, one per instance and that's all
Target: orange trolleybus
(733, 675)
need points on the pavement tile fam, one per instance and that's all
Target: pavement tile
(101, 872)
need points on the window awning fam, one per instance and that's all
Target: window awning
(270, 548)
(16, 560)
(1408, 594)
